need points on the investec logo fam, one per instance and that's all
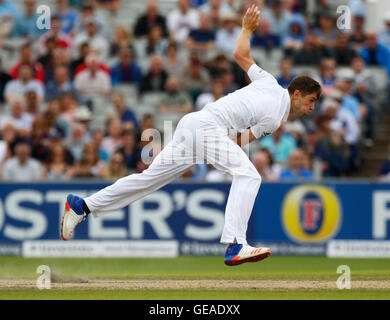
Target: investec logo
(311, 213)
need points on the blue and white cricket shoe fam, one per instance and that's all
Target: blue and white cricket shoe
(73, 215)
(241, 253)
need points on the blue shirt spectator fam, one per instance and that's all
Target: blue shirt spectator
(25, 24)
(8, 8)
(296, 166)
(375, 53)
(126, 70)
(279, 144)
(263, 37)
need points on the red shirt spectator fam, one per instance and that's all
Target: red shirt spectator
(26, 58)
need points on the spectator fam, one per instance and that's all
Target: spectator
(25, 25)
(375, 54)
(216, 9)
(286, 72)
(83, 65)
(122, 39)
(217, 92)
(155, 79)
(93, 80)
(343, 121)
(345, 81)
(97, 138)
(295, 37)
(8, 15)
(62, 40)
(264, 38)
(156, 44)
(326, 33)
(296, 166)
(310, 54)
(357, 38)
(202, 38)
(84, 50)
(91, 155)
(38, 140)
(343, 52)
(96, 41)
(130, 150)
(172, 62)
(328, 74)
(69, 18)
(68, 106)
(23, 84)
(151, 18)
(113, 141)
(123, 112)
(262, 160)
(195, 78)
(279, 18)
(18, 117)
(226, 36)
(57, 167)
(116, 167)
(75, 142)
(57, 127)
(365, 90)
(384, 171)
(174, 99)
(22, 167)
(87, 13)
(81, 169)
(54, 56)
(60, 84)
(32, 104)
(26, 57)
(127, 69)
(384, 35)
(280, 144)
(4, 79)
(332, 151)
(364, 85)
(181, 20)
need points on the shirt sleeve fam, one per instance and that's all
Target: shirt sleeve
(257, 73)
(264, 128)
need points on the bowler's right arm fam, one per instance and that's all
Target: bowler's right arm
(250, 23)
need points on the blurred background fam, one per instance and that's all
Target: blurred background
(76, 97)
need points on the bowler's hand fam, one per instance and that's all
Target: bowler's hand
(250, 22)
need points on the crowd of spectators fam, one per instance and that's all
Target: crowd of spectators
(46, 117)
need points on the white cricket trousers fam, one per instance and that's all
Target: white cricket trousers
(198, 137)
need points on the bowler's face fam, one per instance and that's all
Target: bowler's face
(305, 104)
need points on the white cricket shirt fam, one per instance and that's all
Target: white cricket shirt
(261, 106)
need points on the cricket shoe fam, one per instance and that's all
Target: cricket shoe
(73, 215)
(241, 253)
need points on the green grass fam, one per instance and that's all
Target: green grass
(192, 268)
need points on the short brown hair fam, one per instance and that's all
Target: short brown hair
(306, 85)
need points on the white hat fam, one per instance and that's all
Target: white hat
(83, 114)
(329, 103)
(335, 95)
(346, 75)
(386, 17)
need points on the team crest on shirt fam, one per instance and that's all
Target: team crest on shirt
(266, 134)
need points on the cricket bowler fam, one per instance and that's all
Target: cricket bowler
(253, 111)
